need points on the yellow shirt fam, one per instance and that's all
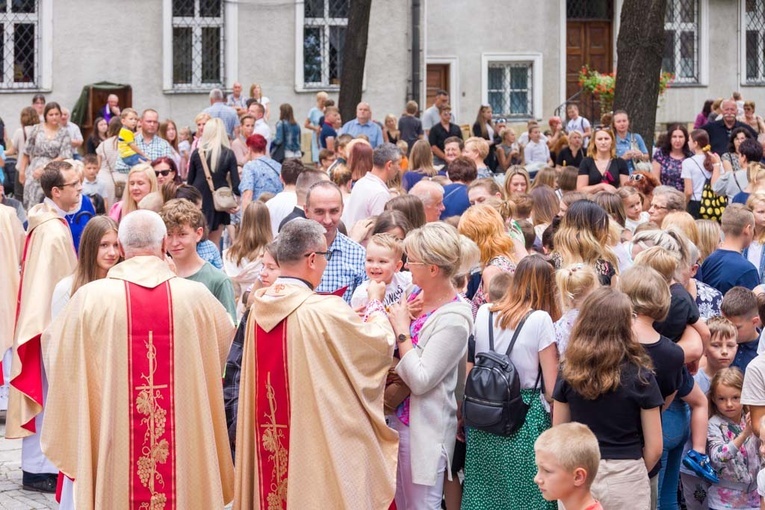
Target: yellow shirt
(126, 137)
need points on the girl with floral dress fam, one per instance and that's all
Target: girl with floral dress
(733, 449)
(668, 159)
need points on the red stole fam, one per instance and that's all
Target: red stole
(272, 415)
(151, 399)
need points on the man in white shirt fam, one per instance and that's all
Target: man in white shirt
(284, 202)
(577, 123)
(74, 130)
(431, 116)
(258, 111)
(371, 192)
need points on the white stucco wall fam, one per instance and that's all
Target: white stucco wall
(467, 29)
(723, 47)
(129, 51)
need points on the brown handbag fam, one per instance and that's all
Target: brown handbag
(223, 197)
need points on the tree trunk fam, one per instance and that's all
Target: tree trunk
(639, 50)
(354, 58)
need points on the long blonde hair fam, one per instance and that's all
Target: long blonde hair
(421, 158)
(754, 199)
(213, 138)
(254, 234)
(584, 234)
(128, 203)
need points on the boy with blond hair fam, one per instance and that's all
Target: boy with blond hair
(383, 264)
(567, 458)
(129, 152)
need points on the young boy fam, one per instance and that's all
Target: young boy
(567, 458)
(129, 152)
(718, 355)
(326, 158)
(726, 267)
(185, 228)
(90, 183)
(739, 306)
(383, 264)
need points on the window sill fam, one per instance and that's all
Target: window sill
(196, 90)
(312, 89)
(30, 90)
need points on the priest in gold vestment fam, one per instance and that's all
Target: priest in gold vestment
(311, 431)
(12, 237)
(135, 408)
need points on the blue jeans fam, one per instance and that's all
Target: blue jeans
(133, 160)
(675, 424)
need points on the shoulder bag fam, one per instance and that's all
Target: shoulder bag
(637, 163)
(277, 150)
(223, 197)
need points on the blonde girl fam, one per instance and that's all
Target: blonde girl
(391, 132)
(632, 201)
(756, 174)
(243, 260)
(697, 169)
(575, 283)
(312, 123)
(509, 152)
(141, 181)
(709, 237)
(546, 177)
(256, 93)
(517, 181)
(731, 444)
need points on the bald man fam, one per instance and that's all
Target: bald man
(364, 125)
(111, 109)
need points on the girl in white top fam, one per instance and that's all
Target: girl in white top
(697, 169)
(243, 260)
(98, 253)
(575, 283)
(383, 264)
(632, 201)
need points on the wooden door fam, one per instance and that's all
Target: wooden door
(588, 42)
(437, 77)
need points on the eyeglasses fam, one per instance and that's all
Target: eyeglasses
(654, 206)
(163, 173)
(74, 183)
(327, 254)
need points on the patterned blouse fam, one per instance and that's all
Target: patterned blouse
(708, 299)
(736, 467)
(670, 170)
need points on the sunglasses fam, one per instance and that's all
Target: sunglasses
(327, 254)
(637, 177)
(163, 173)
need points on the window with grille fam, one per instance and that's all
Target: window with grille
(755, 41)
(324, 25)
(19, 44)
(681, 40)
(197, 44)
(510, 89)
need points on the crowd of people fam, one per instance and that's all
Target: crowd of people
(213, 316)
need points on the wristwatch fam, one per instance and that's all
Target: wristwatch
(403, 338)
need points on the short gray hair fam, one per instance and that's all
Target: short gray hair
(141, 230)
(675, 198)
(424, 190)
(384, 153)
(298, 237)
(216, 95)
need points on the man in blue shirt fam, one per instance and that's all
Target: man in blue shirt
(726, 267)
(219, 110)
(363, 125)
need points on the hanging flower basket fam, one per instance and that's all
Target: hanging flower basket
(603, 85)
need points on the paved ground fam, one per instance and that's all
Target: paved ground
(12, 497)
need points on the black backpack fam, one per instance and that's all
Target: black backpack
(493, 400)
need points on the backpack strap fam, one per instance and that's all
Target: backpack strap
(515, 334)
(491, 329)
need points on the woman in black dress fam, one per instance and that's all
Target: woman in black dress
(601, 170)
(573, 153)
(221, 161)
(484, 128)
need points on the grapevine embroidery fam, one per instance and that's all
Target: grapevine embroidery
(154, 450)
(272, 442)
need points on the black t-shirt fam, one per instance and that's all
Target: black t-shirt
(616, 167)
(565, 156)
(438, 134)
(668, 363)
(410, 128)
(682, 312)
(614, 417)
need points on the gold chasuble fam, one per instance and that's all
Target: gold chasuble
(11, 249)
(48, 257)
(311, 431)
(135, 406)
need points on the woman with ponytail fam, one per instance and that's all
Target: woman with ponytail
(698, 169)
